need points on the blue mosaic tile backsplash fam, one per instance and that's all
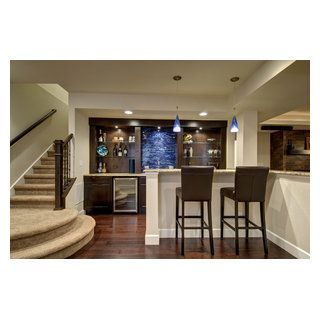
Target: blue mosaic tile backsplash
(158, 145)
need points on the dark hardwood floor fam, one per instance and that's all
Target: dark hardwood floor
(122, 236)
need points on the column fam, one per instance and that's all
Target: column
(246, 145)
(152, 212)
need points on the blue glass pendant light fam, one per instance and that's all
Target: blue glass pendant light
(176, 125)
(234, 124)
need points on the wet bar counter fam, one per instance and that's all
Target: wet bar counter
(287, 207)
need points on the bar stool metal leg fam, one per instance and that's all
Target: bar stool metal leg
(246, 204)
(182, 229)
(202, 216)
(210, 227)
(236, 226)
(177, 214)
(221, 215)
(264, 230)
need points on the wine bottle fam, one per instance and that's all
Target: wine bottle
(125, 150)
(100, 167)
(100, 136)
(191, 152)
(104, 169)
(120, 151)
(115, 150)
(188, 152)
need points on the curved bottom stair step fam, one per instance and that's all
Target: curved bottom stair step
(33, 226)
(63, 245)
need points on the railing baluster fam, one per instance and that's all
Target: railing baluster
(58, 148)
(63, 180)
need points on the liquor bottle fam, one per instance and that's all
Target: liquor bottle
(100, 136)
(125, 151)
(104, 169)
(120, 151)
(104, 137)
(115, 150)
(100, 167)
(188, 152)
(191, 152)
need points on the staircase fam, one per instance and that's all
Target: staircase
(38, 231)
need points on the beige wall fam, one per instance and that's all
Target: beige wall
(81, 157)
(264, 149)
(29, 102)
(288, 209)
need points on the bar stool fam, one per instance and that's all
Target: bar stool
(196, 186)
(250, 186)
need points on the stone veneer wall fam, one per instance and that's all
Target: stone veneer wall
(158, 145)
(280, 160)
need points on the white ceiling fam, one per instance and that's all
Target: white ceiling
(105, 88)
(136, 77)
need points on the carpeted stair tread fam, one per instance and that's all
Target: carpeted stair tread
(25, 222)
(82, 227)
(32, 198)
(44, 166)
(32, 201)
(30, 186)
(39, 176)
(48, 158)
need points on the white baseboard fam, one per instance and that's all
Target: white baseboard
(28, 170)
(170, 233)
(288, 246)
(152, 239)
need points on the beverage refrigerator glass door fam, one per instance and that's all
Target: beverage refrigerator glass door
(125, 195)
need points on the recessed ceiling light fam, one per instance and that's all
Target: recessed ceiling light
(128, 112)
(203, 114)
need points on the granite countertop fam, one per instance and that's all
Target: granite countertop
(114, 174)
(291, 173)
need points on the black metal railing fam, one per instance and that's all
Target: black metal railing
(63, 180)
(34, 125)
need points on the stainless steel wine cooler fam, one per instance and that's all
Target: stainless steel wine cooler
(125, 195)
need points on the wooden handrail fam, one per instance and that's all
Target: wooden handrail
(68, 138)
(34, 125)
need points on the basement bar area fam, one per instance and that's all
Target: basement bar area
(130, 162)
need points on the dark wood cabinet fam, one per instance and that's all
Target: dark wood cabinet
(98, 193)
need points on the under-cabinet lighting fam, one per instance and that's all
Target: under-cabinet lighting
(128, 112)
(203, 114)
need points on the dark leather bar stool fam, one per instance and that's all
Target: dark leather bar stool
(196, 186)
(250, 186)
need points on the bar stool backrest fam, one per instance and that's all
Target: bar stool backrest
(250, 183)
(196, 183)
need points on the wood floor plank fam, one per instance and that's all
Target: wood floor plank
(122, 237)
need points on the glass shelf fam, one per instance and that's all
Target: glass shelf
(124, 141)
(116, 157)
(201, 157)
(200, 142)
